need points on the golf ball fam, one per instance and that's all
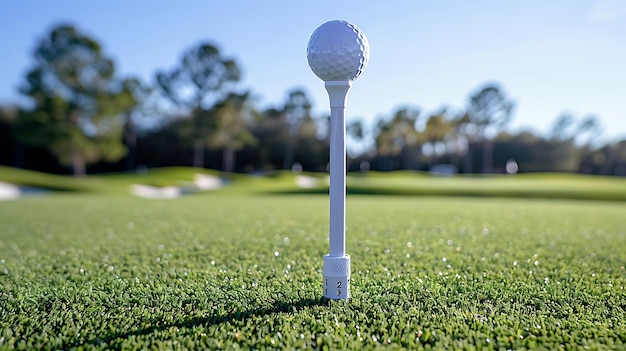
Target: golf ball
(338, 51)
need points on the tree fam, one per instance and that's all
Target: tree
(10, 148)
(355, 130)
(566, 133)
(489, 107)
(589, 128)
(232, 132)
(194, 86)
(271, 134)
(77, 102)
(463, 132)
(297, 109)
(393, 136)
(134, 94)
(561, 128)
(437, 129)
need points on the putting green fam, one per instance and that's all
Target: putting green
(91, 270)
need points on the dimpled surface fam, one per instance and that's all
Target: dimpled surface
(338, 51)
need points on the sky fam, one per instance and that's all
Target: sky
(550, 57)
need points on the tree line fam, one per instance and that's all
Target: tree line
(84, 117)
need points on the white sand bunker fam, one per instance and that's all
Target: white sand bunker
(9, 191)
(153, 192)
(207, 182)
(201, 182)
(306, 182)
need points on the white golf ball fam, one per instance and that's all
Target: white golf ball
(338, 51)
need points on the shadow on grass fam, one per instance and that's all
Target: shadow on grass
(114, 340)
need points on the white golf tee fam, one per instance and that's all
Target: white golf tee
(337, 264)
(337, 53)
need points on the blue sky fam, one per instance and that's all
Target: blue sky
(550, 56)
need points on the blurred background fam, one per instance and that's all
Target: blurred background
(454, 87)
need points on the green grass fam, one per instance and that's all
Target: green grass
(42, 180)
(234, 270)
(537, 185)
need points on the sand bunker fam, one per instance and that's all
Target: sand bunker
(201, 182)
(153, 192)
(306, 182)
(9, 191)
(207, 182)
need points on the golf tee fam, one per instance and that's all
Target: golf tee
(337, 277)
(337, 264)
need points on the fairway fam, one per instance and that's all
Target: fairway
(244, 270)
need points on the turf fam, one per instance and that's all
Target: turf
(534, 185)
(230, 270)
